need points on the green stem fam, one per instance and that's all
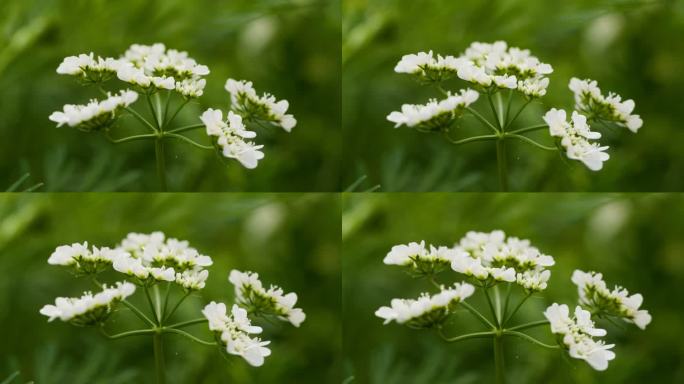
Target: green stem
(497, 301)
(158, 109)
(186, 128)
(470, 139)
(528, 325)
(530, 141)
(131, 138)
(141, 119)
(494, 112)
(187, 140)
(529, 129)
(508, 298)
(157, 303)
(516, 309)
(159, 357)
(499, 360)
(176, 111)
(138, 312)
(475, 335)
(152, 308)
(478, 315)
(530, 339)
(491, 306)
(161, 163)
(166, 107)
(189, 336)
(166, 300)
(522, 108)
(137, 332)
(508, 108)
(482, 119)
(500, 110)
(501, 164)
(176, 306)
(183, 324)
(152, 111)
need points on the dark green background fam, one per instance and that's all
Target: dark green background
(290, 240)
(634, 240)
(632, 47)
(288, 48)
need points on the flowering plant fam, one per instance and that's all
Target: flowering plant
(490, 260)
(153, 71)
(495, 69)
(152, 260)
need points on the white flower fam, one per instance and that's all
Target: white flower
(491, 255)
(247, 103)
(153, 256)
(251, 294)
(96, 114)
(426, 311)
(231, 135)
(577, 335)
(420, 259)
(234, 331)
(82, 259)
(484, 65)
(590, 100)
(154, 67)
(435, 114)
(88, 67)
(594, 294)
(575, 136)
(88, 309)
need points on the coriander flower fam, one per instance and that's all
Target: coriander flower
(426, 67)
(96, 114)
(154, 67)
(419, 259)
(153, 257)
(246, 102)
(575, 136)
(88, 309)
(435, 115)
(493, 256)
(590, 100)
(88, 68)
(426, 311)
(234, 331)
(486, 66)
(230, 136)
(595, 295)
(81, 259)
(252, 295)
(577, 334)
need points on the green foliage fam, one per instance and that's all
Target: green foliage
(628, 46)
(289, 48)
(290, 240)
(634, 240)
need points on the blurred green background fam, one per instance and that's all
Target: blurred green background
(287, 47)
(631, 47)
(290, 240)
(634, 240)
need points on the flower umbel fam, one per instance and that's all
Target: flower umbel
(88, 309)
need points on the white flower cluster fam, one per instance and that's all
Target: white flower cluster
(595, 295)
(154, 67)
(96, 114)
(491, 255)
(230, 135)
(234, 332)
(590, 101)
(575, 136)
(251, 294)
(246, 102)
(485, 66)
(89, 68)
(89, 309)
(436, 114)
(578, 334)
(153, 257)
(419, 259)
(426, 311)
(83, 260)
